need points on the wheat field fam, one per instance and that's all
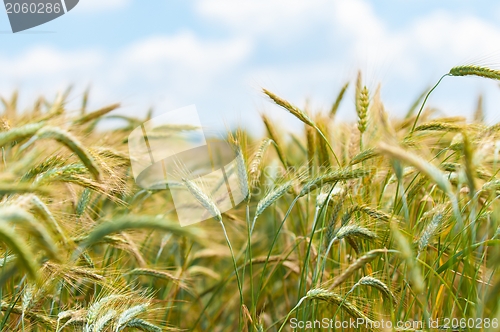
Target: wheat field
(392, 220)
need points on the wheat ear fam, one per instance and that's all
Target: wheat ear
(354, 231)
(20, 248)
(379, 285)
(129, 315)
(242, 173)
(336, 104)
(429, 232)
(104, 320)
(17, 215)
(96, 114)
(19, 133)
(302, 116)
(143, 325)
(334, 176)
(96, 307)
(472, 70)
(271, 197)
(359, 263)
(203, 199)
(423, 166)
(72, 143)
(332, 298)
(298, 113)
(257, 161)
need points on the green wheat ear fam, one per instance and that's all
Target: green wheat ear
(16, 215)
(128, 315)
(271, 197)
(473, 70)
(131, 222)
(21, 249)
(72, 143)
(143, 325)
(19, 133)
(323, 295)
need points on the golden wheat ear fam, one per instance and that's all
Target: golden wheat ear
(95, 114)
(255, 165)
(297, 112)
(338, 100)
(302, 116)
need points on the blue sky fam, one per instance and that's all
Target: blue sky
(218, 54)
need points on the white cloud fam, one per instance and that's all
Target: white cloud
(101, 5)
(187, 51)
(455, 36)
(43, 61)
(276, 19)
(181, 66)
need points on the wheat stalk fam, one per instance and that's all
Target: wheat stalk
(311, 148)
(271, 130)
